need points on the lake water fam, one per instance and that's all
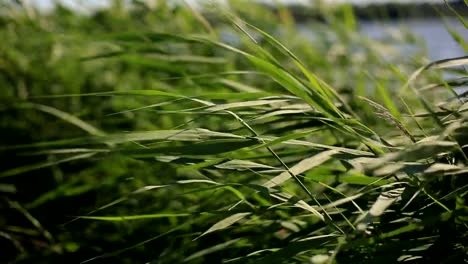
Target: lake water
(433, 33)
(439, 43)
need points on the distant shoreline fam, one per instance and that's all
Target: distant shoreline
(388, 11)
(368, 11)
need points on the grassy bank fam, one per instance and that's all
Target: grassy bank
(163, 135)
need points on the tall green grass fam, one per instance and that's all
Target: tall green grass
(165, 135)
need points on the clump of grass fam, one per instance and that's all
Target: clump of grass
(164, 135)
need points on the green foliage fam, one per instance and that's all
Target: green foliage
(159, 134)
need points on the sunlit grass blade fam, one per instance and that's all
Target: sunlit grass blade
(301, 167)
(27, 168)
(65, 117)
(198, 134)
(225, 223)
(212, 249)
(133, 217)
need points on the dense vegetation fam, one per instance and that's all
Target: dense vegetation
(158, 134)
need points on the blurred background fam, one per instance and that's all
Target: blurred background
(80, 79)
(417, 16)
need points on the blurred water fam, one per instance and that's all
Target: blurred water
(439, 43)
(434, 33)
